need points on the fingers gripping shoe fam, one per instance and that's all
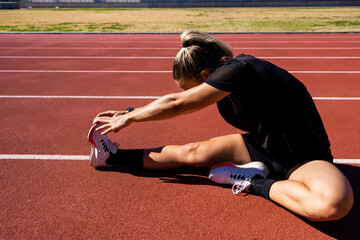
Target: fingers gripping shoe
(229, 173)
(100, 147)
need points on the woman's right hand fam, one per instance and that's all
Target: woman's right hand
(112, 123)
(110, 114)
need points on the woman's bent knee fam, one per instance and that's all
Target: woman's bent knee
(328, 211)
(331, 195)
(344, 205)
(192, 154)
(229, 148)
(332, 205)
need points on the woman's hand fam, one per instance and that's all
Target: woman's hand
(112, 124)
(111, 121)
(110, 114)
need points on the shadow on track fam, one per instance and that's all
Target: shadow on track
(185, 175)
(348, 227)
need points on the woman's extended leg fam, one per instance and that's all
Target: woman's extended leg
(316, 190)
(229, 148)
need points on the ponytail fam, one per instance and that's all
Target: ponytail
(200, 52)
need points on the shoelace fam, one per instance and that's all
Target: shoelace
(107, 144)
(238, 177)
(240, 186)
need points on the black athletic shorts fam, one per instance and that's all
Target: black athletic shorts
(277, 167)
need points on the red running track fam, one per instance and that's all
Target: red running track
(67, 199)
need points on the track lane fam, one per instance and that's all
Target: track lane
(50, 121)
(155, 84)
(107, 84)
(177, 44)
(164, 64)
(171, 53)
(170, 36)
(173, 40)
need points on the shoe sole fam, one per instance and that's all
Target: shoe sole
(89, 136)
(92, 156)
(92, 145)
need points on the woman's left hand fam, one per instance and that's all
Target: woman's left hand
(110, 114)
(112, 124)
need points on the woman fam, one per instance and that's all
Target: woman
(286, 139)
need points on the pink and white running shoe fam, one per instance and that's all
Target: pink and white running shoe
(100, 147)
(229, 173)
(241, 186)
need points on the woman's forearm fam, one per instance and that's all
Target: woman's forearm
(165, 107)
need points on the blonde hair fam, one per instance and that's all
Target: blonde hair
(200, 51)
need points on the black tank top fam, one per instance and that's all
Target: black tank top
(271, 105)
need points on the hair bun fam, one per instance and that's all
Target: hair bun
(191, 43)
(185, 44)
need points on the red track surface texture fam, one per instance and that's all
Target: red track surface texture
(67, 199)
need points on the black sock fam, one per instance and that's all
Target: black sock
(128, 157)
(261, 187)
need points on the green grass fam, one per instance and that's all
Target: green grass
(67, 27)
(321, 19)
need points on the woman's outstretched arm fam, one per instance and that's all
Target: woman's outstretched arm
(165, 107)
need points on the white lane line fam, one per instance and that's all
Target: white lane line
(79, 97)
(338, 98)
(145, 97)
(342, 57)
(90, 48)
(282, 36)
(90, 57)
(43, 157)
(172, 48)
(168, 41)
(299, 48)
(326, 72)
(145, 71)
(141, 57)
(79, 71)
(86, 157)
(347, 161)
